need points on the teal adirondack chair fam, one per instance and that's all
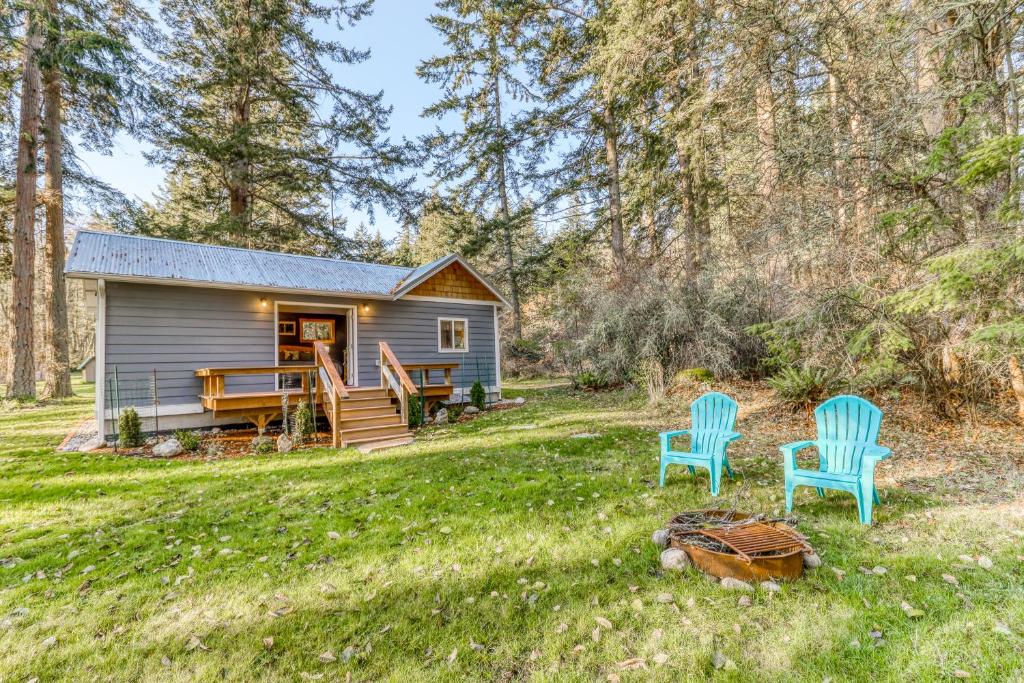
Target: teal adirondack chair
(712, 417)
(847, 453)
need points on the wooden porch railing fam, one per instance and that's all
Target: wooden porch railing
(393, 375)
(330, 387)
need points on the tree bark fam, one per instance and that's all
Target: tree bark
(58, 371)
(1017, 382)
(21, 382)
(611, 152)
(503, 203)
(766, 138)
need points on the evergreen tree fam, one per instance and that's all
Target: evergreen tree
(484, 160)
(250, 117)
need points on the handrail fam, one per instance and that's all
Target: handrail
(254, 370)
(323, 359)
(403, 376)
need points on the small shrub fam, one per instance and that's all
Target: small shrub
(130, 427)
(589, 380)
(695, 376)
(454, 412)
(652, 376)
(477, 395)
(804, 386)
(189, 440)
(264, 445)
(302, 423)
(214, 449)
(415, 411)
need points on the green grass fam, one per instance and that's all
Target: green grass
(500, 540)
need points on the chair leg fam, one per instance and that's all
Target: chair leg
(728, 470)
(864, 501)
(821, 492)
(874, 493)
(716, 477)
(789, 496)
(664, 464)
(692, 470)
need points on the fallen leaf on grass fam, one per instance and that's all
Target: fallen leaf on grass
(910, 610)
(633, 664)
(195, 644)
(603, 623)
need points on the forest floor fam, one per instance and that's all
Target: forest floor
(515, 546)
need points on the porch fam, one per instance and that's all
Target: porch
(356, 415)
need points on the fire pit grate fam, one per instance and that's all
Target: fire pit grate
(730, 543)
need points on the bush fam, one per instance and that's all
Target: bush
(804, 386)
(477, 395)
(589, 380)
(264, 445)
(189, 440)
(695, 376)
(129, 425)
(454, 412)
(302, 423)
(415, 411)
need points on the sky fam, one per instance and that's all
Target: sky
(399, 37)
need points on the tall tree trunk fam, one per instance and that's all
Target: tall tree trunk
(503, 203)
(689, 228)
(58, 372)
(611, 154)
(1017, 382)
(766, 138)
(838, 165)
(22, 371)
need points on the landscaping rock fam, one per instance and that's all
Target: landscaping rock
(520, 401)
(168, 449)
(284, 444)
(736, 585)
(215, 430)
(470, 410)
(660, 538)
(441, 418)
(152, 441)
(771, 586)
(674, 559)
(812, 560)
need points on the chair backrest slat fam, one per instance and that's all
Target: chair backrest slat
(711, 417)
(847, 426)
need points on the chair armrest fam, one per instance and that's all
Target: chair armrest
(792, 448)
(666, 439)
(878, 452)
(729, 437)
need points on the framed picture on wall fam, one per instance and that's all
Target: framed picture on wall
(286, 327)
(316, 329)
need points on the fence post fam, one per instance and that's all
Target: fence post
(156, 408)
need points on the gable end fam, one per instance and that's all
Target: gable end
(454, 281)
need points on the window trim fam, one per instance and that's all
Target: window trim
(465, 324)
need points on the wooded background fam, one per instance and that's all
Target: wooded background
(823, 194)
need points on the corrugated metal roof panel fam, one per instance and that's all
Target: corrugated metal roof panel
(116, 255)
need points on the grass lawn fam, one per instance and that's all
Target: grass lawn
(494, 550)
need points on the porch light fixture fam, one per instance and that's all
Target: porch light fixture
(263, 301)
(366, 308)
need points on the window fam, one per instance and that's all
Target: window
(452, 335)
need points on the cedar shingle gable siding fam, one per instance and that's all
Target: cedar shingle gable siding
(454, 282)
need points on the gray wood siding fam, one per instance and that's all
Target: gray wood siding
(175, 330)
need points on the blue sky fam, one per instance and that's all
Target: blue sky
(398, 36)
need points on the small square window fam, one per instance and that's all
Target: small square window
(452, 335)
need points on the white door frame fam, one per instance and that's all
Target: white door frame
(351, 323)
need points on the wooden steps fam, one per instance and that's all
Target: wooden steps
(368, 418)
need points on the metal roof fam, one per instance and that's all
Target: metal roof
(114, 256)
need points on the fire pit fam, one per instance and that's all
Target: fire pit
(726, 543)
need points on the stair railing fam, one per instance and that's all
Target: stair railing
(330, 387)
(394, 376)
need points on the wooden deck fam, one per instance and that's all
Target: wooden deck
(357, 415)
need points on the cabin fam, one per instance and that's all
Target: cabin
(197, 335)
(87, 369)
